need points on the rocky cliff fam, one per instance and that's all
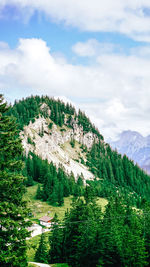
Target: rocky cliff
(54, 144)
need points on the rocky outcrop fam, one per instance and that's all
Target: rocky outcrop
(44, 107)
(54, 144)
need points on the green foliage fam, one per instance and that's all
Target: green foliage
(28, 109)
(89, 238)
(87, 126)
(32, 265)
(41, 131)
(29, 140)
(55, 184)
(50, 125)
(39, 193)
(13, 210)
(117, 175)
(82, 161)
(55, 242)
(63, 130)
(72, 142)
(41, 253)
(60, 265)
(33, 244)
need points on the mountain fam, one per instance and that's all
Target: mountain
(135, 146)
(63, 151)
(55, 132)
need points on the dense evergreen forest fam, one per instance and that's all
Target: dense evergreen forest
(120, 236)
(114, 174)
(117, 175)
(54, 184)
(28, 109)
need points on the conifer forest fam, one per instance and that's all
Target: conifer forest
(88, 235)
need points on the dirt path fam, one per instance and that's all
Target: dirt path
(36, 229)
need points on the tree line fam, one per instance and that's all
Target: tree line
(29, 109)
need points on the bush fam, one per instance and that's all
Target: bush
(50, 125)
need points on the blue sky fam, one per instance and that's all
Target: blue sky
(58, 36)
(96, 55)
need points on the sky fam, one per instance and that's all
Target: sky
(95, 54)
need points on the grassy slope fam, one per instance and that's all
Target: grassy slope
(39, 209)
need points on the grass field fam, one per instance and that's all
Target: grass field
(40, 208)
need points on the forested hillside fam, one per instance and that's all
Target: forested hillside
(114, 174)
(54, 184)
(60, 113)
(118, 175)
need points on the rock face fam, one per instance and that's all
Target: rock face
(136, 147)
(54, 144)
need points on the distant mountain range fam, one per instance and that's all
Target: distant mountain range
(135, 146)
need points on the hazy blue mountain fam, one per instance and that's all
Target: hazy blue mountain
(135, 146)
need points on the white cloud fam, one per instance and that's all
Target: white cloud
(92, 48)
(115, 92)
(124, 16)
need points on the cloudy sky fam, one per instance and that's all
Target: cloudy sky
(94, 53)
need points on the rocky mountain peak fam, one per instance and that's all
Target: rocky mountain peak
(135, 146)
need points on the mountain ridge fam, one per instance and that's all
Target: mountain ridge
(47, 124)
(135, 146)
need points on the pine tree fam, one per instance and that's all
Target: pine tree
(13, 209)
(80, 234)
(29, 181)
(55, 240)
(60, 195)
(41, 253)
(39, 193)
(124, 242)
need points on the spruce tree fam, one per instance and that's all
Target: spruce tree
(13, 209)
(41, 253)
(60, 195)
(39, 194)
(55, 241)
